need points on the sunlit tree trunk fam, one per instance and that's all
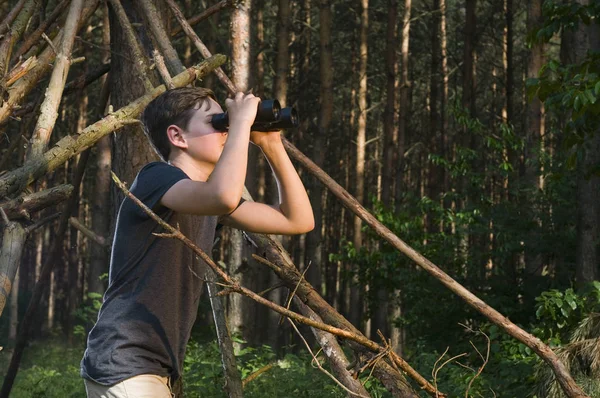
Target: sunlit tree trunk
(356, 292)
(397, 333)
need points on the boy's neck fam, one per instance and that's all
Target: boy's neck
(195, 170)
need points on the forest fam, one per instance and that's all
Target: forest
(450, 150)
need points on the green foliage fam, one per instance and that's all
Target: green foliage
(49, 369)
(559, 312)
(203, 374)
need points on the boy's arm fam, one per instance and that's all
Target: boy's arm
(293, 214)
(221, 193)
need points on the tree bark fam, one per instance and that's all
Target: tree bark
(574, 48)
(356, 290)
(283, 56)
(25, 205)
(468, 97)
(13, 242)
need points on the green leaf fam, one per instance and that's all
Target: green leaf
(590, 96)
(597, 88)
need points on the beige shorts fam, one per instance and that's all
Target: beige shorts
(142, 386)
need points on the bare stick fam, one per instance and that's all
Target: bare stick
(159, 61)
(316, 361)
(35, 36)
(24, 205)
(49, 109)
(205, 14)
(134, 45)
(10, 17)
(101, 240)
(199, 44)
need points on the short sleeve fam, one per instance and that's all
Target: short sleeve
(153, 181)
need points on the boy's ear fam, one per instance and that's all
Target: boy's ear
(175, 135)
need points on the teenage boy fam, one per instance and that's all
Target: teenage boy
(138, 344)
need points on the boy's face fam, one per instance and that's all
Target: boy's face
(205, 144)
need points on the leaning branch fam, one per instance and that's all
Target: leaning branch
(25, 205)
(49, 108)
(562, 374)
(16, 180)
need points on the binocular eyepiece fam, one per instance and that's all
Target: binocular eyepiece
(269, 117)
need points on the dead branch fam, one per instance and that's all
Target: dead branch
(363, 394)
(566, 381)
(333, 351)
(101, 240)
(35, 36)
(134, 45)
(23, 86)
(255, 375)
(10, 17)
(159, 61)
(25, 205)
(154, 24)
(12, 36)
(13, 242)
(86, 79)
(205, 14)
(49, 109)
(199, 44)
(20, 70)
(72, 145)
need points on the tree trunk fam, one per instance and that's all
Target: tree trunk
(356, 292)
(130, 148)
(283, 56)
(317, 144)
(574, 48)
(468, 97)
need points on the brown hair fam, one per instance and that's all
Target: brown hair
(176, 107)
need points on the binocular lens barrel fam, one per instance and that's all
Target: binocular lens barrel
(269, 117)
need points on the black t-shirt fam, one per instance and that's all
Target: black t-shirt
(151, 302)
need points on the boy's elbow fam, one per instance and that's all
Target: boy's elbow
(228, 202)
(308, 225)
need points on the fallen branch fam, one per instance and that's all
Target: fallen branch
(25, 205)
(101, 240)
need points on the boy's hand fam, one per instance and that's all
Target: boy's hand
(242, 109)
(262, 138)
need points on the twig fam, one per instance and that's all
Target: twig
(293, 293)
(435, 371)
(485, 359)
(321, 367)
(50, 43)
(266, 262)
(41, 222)
(159, 61)
(254, 375)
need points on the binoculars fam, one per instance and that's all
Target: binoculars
(269, 117)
